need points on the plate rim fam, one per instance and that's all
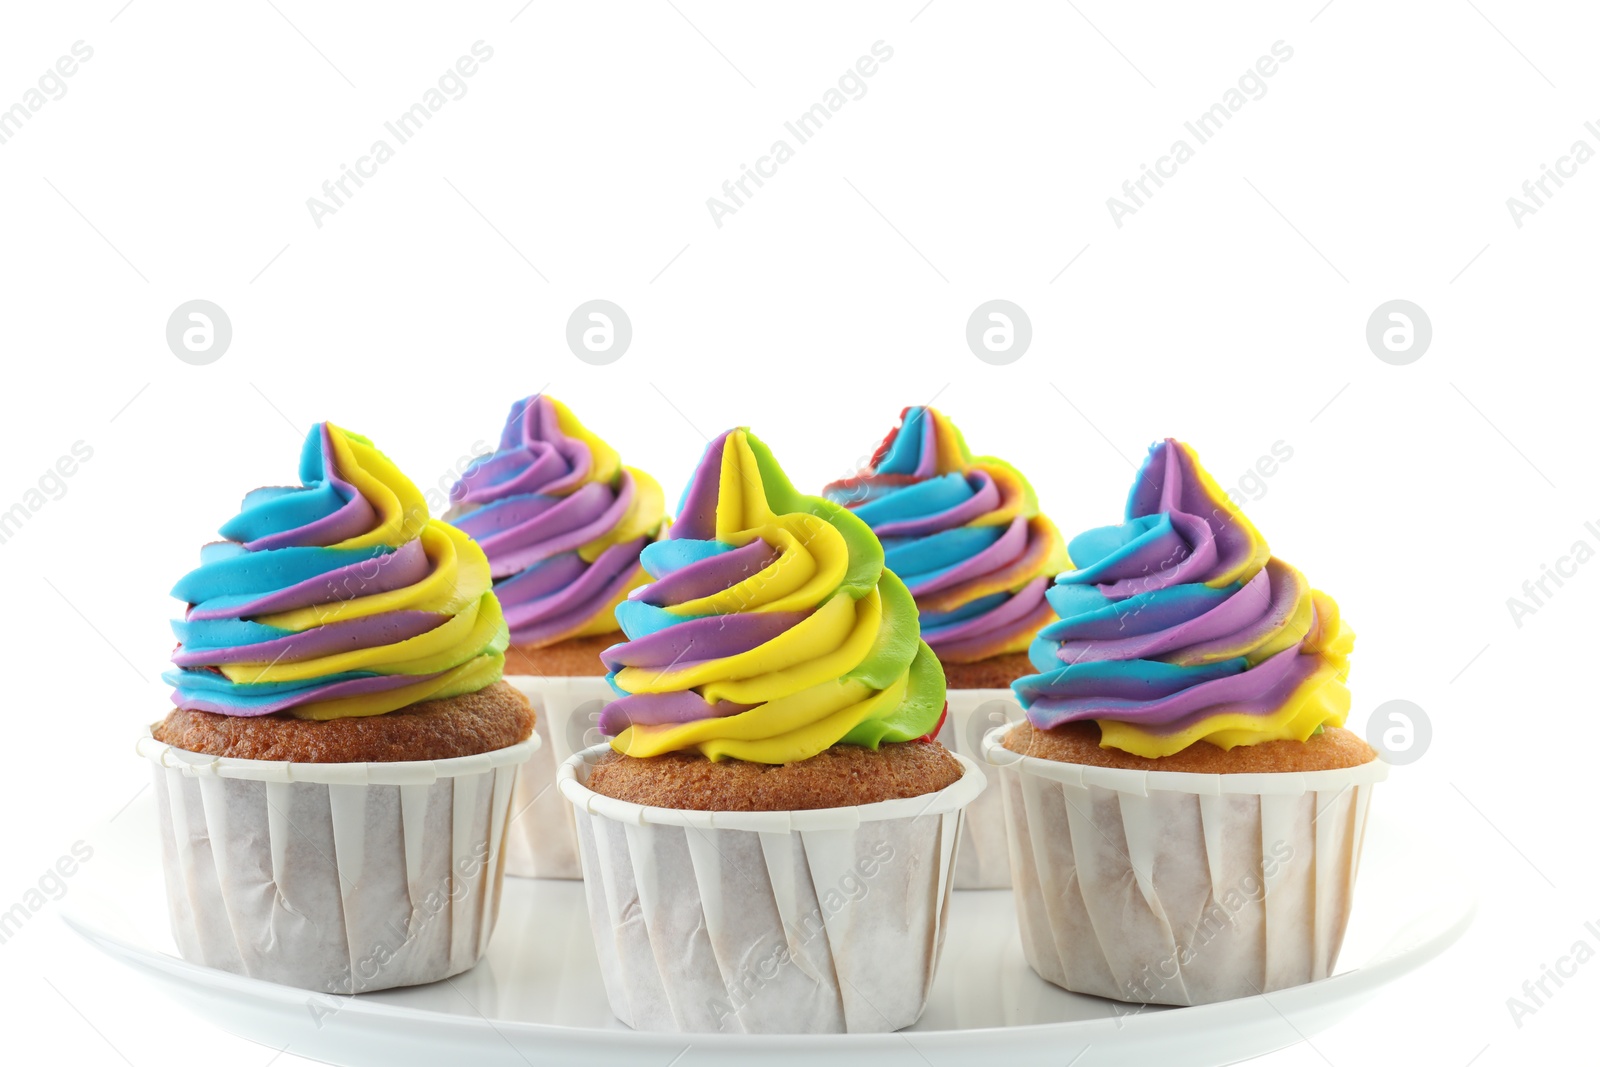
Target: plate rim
(1353, 985)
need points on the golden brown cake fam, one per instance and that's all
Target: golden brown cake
(576, 657)
(995, 672)
(494, 717)
(1079, 742)
(838, 777)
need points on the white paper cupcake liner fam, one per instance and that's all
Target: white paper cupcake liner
(1181, 888)
(982, 861)
(544, 835)
(334, 877)
(825, 921)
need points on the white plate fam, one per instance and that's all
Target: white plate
(536, 999)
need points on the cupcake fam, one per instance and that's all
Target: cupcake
(334, 783)
(562, 522)
(1185, 810)
(966, 536)
(769, 839)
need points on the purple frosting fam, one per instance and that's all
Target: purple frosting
(550, 490)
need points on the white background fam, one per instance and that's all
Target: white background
(1229, 311)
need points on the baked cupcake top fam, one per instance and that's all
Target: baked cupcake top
(772, 630)
(965, 534)
(1179, 626)
(562, 522)
(338, 597)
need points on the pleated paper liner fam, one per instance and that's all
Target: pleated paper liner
(804, 922)
(1181, 888)
(544, 835)
(334, 877)
(982, 862)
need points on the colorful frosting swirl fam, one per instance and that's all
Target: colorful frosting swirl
(964, 533)
(562, 521)
(772, 630)
(1178, 626)
(335, 598)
